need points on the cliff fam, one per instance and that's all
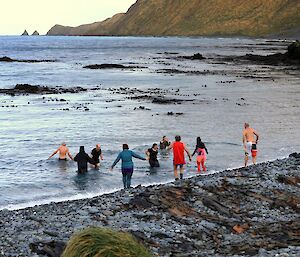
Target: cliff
(197, 17)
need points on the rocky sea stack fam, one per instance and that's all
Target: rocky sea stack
(35, 33)
(25, 33)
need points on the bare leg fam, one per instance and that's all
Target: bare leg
(246, 159)
(203, 165)
(254, 160)
(175, 172)
(181, 172)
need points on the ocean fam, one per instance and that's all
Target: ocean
(225, 95)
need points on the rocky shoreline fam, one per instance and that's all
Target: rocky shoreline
(241, 212)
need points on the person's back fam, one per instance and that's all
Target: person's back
(63, 151)
(178, 153)
(126, 157)
(82, 159)
(249, 134)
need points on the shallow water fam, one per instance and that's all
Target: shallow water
(30, 132)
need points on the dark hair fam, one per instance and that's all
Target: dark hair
(199, 141)
(177, 138)
(164, 137)
(154, 145)
(125, 147)
(81, 149)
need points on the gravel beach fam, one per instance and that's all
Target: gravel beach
(250, 211)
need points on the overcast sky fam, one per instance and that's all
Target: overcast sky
(41, 15)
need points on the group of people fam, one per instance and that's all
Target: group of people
(178, 147)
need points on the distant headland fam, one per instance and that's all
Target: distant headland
(255, 18)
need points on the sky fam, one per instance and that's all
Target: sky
(41, 15)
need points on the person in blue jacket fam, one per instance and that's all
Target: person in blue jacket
(127, 164)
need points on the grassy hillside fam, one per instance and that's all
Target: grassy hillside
(197, 17)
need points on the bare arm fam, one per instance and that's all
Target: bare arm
(188, 152)
(257, 135)
(244, 141)
(69, 154)
(54, 153)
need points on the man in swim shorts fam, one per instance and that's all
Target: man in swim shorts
(249, 143)
(178, 156)
(63, 151)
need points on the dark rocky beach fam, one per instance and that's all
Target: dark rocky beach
(250, 211)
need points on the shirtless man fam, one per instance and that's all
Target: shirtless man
(249, 143)
(63, 151)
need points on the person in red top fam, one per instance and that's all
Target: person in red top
(178, 156)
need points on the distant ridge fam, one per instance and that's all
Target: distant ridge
(197, 18)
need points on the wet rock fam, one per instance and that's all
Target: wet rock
(37, 89)
(8, 59)
(111, 66)
(196, 56)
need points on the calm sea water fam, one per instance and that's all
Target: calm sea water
(30, 132)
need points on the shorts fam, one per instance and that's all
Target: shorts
(201, 158)
(180, 165)
(254, 150)
(65, 159)
(248, 148)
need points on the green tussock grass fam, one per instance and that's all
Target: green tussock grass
(102, 242)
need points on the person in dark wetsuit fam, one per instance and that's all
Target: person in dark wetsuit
(201, 150)
(82, 159)
(152, 154)
(97, 155)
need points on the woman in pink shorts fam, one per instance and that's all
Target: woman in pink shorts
(201, 151)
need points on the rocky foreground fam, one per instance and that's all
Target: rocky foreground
(241, 212)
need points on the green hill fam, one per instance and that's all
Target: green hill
(197, 18)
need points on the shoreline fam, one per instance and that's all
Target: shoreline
(85, 196)
(210, 215)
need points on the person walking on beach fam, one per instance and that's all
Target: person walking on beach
(250, 143)
(82, 159)
(97, 155)
(164, 143)
(152, 155)
(178, 156)
(63, 151)
(201, 150)
(127, 164)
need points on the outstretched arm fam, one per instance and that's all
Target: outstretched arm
(135, 155)
(69, 154)
(194, 151)
(188, 152)
(116, 161)
(54, 153)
